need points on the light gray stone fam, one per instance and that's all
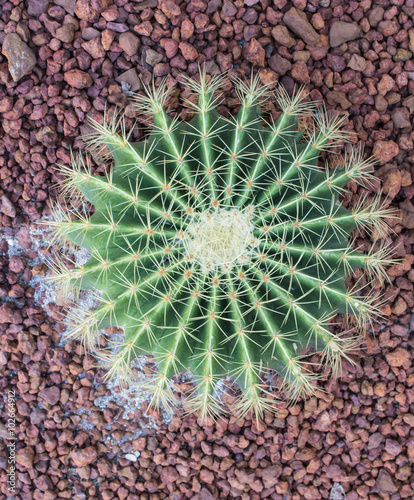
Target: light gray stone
(21, 58)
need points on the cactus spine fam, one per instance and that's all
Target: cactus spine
(220, 246)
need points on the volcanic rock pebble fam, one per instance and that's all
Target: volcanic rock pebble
(84, 456)
(131, 78)
(50, 394)
(152, 57)
(386, 84)
(385, 482)
(279, 64)
(342, 32)
(401, 117)
(129, 43)
(7, 206)
(78, 79)
(25, 456)
(282, 36)
(297, 21)
(66, 33)
(20, 57)
(357, 63)
(254, 53)
(384, 151)
(375, 16)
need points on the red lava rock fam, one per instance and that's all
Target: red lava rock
(270, 475)
(335, 97)
(144, 29)
(187, 29)
(37, 7)
(50, 394)
(385, 483)
(385, 84)
(323, 422)
(129, 473)
(7, 207)
(169, 475)
(25, 456)
(188, 51)
(117, 27)
(90, 10)
(297, 21)
(152, 58)
(254, 53)
(342, 32)
(279, 64)
(357, 63)
(220, 451)
(129, 43)
(170, 46)
(84, 456)
(337, 63)
(375, 16)
(407, 214)
(333, 471)
(229, 9)
(9, 315)
(401, 117)
(43, 483)
(392, 183)
(95, 48)
(78, 79)
(388, 27)
(398, 357)
(6, 104)
(16, 264)
(300, 72)
(384, 151)
(393, 447)
(317, 21)
(375, 440)
(170, 9)
(282, 36)
(20, 57)
(268, 77)
(66, 33)
(206, 476)
(24, 237)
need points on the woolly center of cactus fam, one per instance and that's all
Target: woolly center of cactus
(219, 240)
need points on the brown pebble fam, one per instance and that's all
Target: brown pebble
(129, 43)
(7, 206)
(78, 79)
(384, 151)
(254, 53)
(84, 456)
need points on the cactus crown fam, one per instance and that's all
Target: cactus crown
(219, 245)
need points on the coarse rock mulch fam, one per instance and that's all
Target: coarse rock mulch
(66, 59)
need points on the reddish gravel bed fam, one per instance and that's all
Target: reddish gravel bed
(68, 58)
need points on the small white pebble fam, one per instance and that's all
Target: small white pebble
(131, 457)
(337, 492)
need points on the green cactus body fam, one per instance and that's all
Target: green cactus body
(220, 246)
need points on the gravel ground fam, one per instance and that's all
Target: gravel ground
(65, 59)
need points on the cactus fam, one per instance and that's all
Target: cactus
(220, 245)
